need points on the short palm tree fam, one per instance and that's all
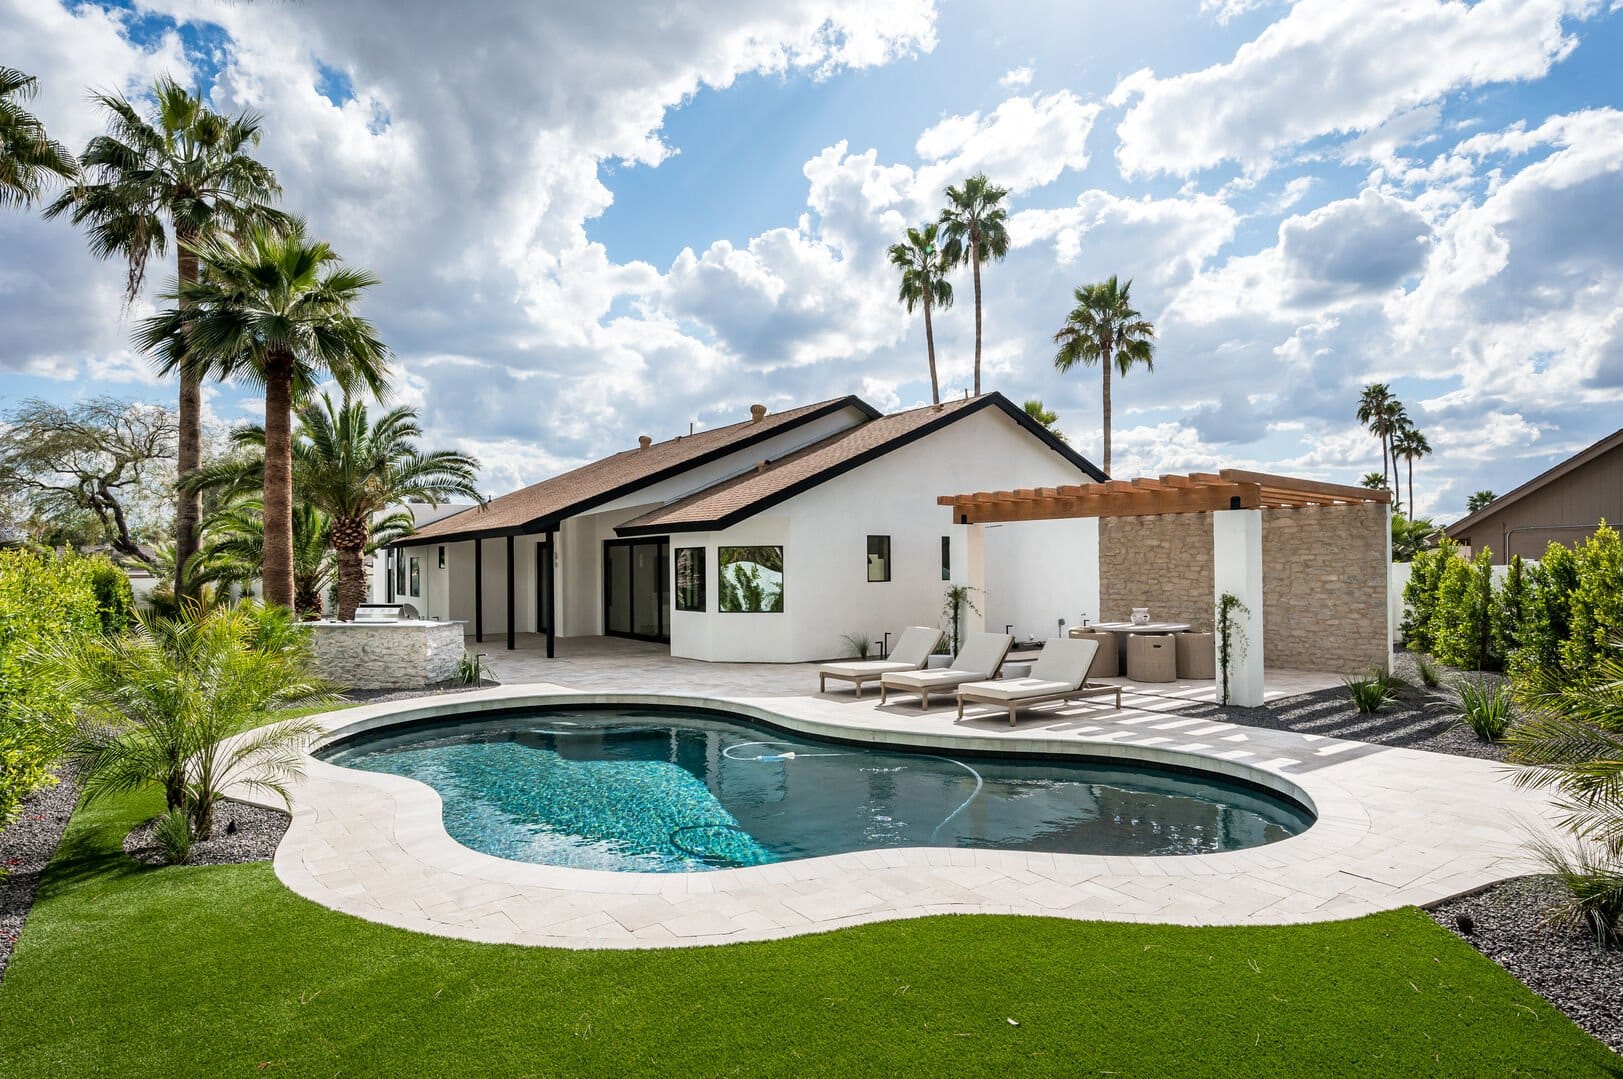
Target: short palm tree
(233, 550)
(188, 171)
(1480, 500)
(1045, 416)
(1373, 480)
(1409, 444)
(29, 158)
(161, 703)
(975, 226)
(1104, 328)
(924, 268)
(274, 308)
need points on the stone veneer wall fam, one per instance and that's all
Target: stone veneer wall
(1324, 580)
(387, 655)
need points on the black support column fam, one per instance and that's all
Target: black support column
(512, 635)
(479, 591)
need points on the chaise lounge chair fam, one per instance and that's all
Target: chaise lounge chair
(913, 647)
(1060, 674)
(980, 659)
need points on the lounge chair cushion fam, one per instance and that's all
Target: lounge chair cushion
(982, 654)
(914, 646)
(1013, 689)
(864, 668)
(1065, 660)
(940, 678)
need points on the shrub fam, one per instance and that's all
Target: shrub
(1372, 693)
(173, 834)
(1596, 600)
(1485, 707)
(1547, 613)
(1420, 594)
(1510, 610)
(43, 598)
(1594, 892)
(115, 599)
(1427, 671)
(468, 672)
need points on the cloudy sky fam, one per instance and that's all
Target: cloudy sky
(595, 221)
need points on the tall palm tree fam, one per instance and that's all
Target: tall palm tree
(29, 157)
(1409, 444)
(976, 225)
(1382, 413)
(924, 268)
(272, 307)
(1104, 328)
(187, 171)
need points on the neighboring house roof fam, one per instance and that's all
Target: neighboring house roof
(731, 501)
(541, 506)
(1464, 525)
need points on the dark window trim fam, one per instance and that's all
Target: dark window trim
(946, 558)
(783, 574)
(884, 555)
(703, 581)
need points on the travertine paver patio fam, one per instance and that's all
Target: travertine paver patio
(1394, 827)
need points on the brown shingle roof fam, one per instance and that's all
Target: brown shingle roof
(533, 508)
(730, 501)
(1464, 525)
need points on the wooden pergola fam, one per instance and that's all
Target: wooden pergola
(1196, 492)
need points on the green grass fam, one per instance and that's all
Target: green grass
(221, 971)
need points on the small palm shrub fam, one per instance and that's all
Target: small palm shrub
(164, 704)
(1593, 902)
(1371, 693)
(1486, 707)
(173, 834)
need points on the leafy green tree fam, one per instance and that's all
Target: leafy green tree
(1106, 329)
(1480, 500)
(975, 223)
(1420, 594)
(1597, 601)
(1461, 627)
(29, 158)
(1510, 610)
(924, 267)
(186, 171)
(274, 308)
(1547, 620)
(1409, 444)
(1045, 416)
(161, 704)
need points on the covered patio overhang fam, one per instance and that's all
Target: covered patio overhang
(1237, 501)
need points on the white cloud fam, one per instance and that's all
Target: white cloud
(1333, 67)
(1016, 78)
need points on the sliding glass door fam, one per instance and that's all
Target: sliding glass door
(636, 589)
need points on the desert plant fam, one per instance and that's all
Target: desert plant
(172, 832)
(162, 704)
(1593, 887)
(861, 644)
(469, 671)
(1430, 677)
(1486, 706)
(1372, 692)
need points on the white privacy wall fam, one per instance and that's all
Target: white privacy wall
(824, 535)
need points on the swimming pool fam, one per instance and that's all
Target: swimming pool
(672, 790)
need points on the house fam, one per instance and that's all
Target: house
(769, 539)
(1565, 505)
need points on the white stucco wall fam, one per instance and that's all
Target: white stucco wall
(1048, 572)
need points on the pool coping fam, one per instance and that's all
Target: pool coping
(1394, 827)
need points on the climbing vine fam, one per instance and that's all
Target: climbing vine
(1230, 636)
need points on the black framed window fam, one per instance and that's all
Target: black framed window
(946, 558)
(416, 577)
(690, 579)
(442, 556)
(878, 559)
(749, 580)
(399, 574)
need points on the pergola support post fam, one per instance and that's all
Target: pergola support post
(512, 629)
(975, 576)
(1237, 569)
(479, 591)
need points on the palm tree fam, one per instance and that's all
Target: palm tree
(1480, 500)
(28, 156)
(1045, 416)
(1409, 444)
(1104, 328)
(1374, 481)
(160, 704)
(924, 267)
(273, 308)
(976, 225)
(233, 550)
(1384, 415)
(187, 170)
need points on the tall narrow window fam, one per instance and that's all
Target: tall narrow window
(442, 556)
(878, 559)
(416, 577)
(946, 558)
(399, 574)
(690, 579)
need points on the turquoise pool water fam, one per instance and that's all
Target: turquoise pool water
(672, 791)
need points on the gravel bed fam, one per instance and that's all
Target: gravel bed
(242, 833)
(1565, 968)
(26, 845)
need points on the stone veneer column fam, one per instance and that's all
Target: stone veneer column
(1237, 568)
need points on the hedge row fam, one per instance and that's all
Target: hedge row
(1559, 614)
(44, 597)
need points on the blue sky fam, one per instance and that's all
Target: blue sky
(593, 224)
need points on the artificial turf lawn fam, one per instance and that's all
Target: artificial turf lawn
(221, 971)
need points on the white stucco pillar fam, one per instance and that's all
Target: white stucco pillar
(1394, 610)
(975, 577)
(1237, 568)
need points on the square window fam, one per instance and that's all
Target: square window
(749, 580)
(690, 579)
(878, 559)
(946, 558)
